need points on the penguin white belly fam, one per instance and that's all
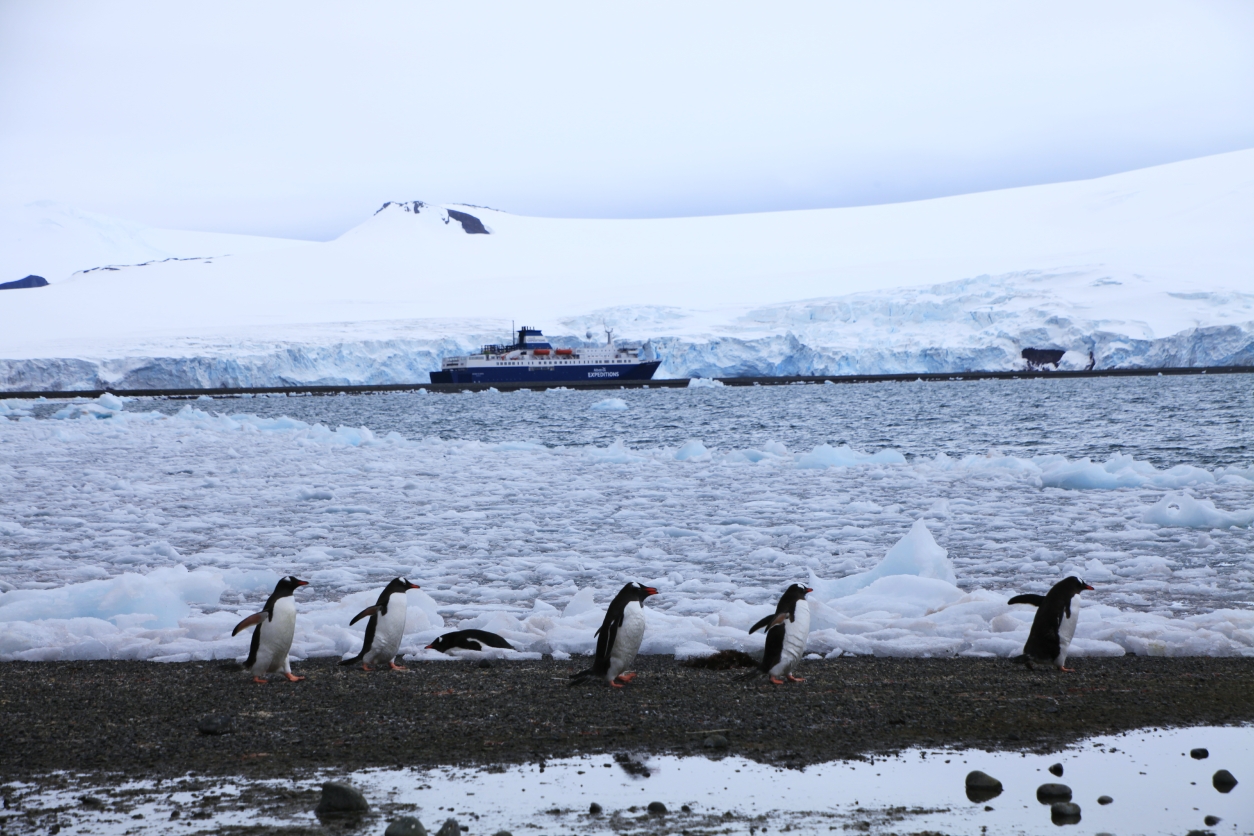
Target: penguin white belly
(627, 641)
(796, 632)
(1066, 631)
(276, 638)
(388, 631)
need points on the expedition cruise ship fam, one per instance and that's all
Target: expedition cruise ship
(533, 360)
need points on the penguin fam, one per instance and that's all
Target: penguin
(1054, 625)
(618, 639)
(469, 640)
(786, 632)
(276, 624)
(385, 627)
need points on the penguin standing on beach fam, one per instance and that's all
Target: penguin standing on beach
(1054, 625)
(618, 639)
(385, 628)
(786, 632)
(276, 625)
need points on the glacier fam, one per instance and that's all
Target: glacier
(1145, 269)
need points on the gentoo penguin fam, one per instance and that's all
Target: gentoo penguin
(1054, 624)
(786, 632)
(469, 640)
(276, 624)
(385, 627)
(618, 639)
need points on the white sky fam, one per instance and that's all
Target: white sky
(300, 119)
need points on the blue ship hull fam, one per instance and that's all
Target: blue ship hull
(592, 373)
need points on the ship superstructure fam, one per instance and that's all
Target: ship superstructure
(532, 359)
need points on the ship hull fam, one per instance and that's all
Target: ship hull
(590, 373)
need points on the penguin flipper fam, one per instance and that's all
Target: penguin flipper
(367, 612)
(1034, 600)
(762, 624)
(255, 618)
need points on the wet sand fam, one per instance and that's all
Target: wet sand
(142, 718)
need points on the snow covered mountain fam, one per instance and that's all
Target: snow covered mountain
(1148, 268)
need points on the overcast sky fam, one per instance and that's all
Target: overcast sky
(300, 119)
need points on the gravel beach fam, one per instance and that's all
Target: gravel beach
(142, 718)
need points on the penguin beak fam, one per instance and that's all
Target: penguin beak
(1086, 586)
(430, 646)
(808, 590)
(648, 590)
(302, 583)
(414, 586)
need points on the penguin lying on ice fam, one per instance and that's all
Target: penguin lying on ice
(276, 625)
(385, 628)
(786, 632)
(1054, 625)
(618, 639)
(469, 640)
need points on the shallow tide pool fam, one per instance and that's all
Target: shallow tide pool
(1155, 785)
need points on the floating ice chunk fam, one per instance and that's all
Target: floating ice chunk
(609, 405)
(1183, 511)
(705, 383)
(915, 554)
(163, 596)
(582, 602)
(1119, 471)
(616, 453)
(825, 455)
(692, 451)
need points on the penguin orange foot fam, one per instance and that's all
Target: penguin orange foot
(775, 680)
(397, 667)
(260, 680)
(792, 678)
(291, 677)
(626, 677)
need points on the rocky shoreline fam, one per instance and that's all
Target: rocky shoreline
(150, 719)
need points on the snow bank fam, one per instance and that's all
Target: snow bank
(1180, 509)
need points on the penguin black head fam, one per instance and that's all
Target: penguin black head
(1071, 586)
(637, 592)
(796, 592)
(288, 585)
(399, 585)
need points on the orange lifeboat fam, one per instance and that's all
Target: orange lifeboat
(540, 352)
(564, 351)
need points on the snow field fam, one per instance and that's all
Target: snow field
(140, 535)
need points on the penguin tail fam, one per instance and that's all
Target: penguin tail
(748, 675)
(1022, 659)
(353, 660)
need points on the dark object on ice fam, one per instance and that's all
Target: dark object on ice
(594, 809)
(1064, 812)
(1104, 799)
(716, 741)
(1211, 821)
(214, 724)
(449, 828)
(722, 661)
(981, 786)
(340, 799)
(1223, 781)
(1049, 793)
(1199, 754)
(469, 640)
(657, 808)
(471, 224)
(1039, 358)
(485, 665)
(631, 766)
(502, 833)
(91, 801)
(406, 826)
(29, 281)
(1056, 769)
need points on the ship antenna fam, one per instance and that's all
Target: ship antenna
(609, 335)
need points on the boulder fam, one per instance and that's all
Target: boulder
(594, 809)
(214, 724)
(981, 786)
(1056, 770)
(1199, 754)
(657, 808)
(1064, 812)
(1050, 793)
(716, 741)
(449, 828)
(1104, 800)
(1224, 781)
(341, 799)
(405, 826)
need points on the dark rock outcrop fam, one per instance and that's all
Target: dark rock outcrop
(471, 224)
(29, 281)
